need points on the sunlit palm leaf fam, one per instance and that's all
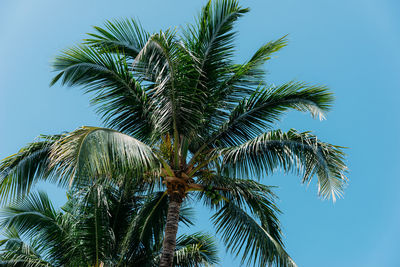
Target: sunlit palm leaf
(257, 113)
(91, 152)
(194, 250)
(292, 151)
(245, 78)
(92, 229)
(211, 41)
(251, 73)
(169, 68)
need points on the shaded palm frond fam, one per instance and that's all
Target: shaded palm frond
(14, 244)
(243, 234)
(120, 99)
(254, 197)
(92, 225)
(20, 171)
(120, 35)
(35, 219)
(145, 229)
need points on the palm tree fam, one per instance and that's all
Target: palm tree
(182, 115)
(100, 225)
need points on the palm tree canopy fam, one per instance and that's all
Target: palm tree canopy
(182, 115)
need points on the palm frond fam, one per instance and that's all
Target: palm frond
(211, 41)
(250, 195)
(92, 225)
(243, 234)
(13, 242)
(294, 151)
(31, 214)
(20, 171)
(257, 113)
(91, 152)
(126, 35)
(120, 99)
(18, 259)
(245, 78)
(168, 66)
(16, 252)
(196, 249)
(35, 219)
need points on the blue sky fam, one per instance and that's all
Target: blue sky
(352, 46)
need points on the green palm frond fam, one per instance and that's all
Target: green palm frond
(194, 250)
(256, 198)
(13, 242)
(20, 171)
(92, 229)
(169, 67)
(252, 70)
(257, 113)
(147, 226)
(31, 214)
(119, 98)
(35, 219)
(91, 152)
(120, 35)
(211, 41)
(294, 151)
(18, 259)
(241, 233)
(16, 252)
(244, 78)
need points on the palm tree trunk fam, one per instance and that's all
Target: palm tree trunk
(171, 229)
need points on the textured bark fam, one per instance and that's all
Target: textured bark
(171, 229)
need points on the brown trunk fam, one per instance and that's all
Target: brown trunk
(171, 229)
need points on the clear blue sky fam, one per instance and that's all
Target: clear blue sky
(350, 45)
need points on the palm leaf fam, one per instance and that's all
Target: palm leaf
(243, 234)
(292, 151)
(35, 219)
(20, 171)
(120, 35)
(250, 195)
(211, 41)
(91, 152)
(257, 113)
(121, 100)
(168, 66)
(195, 250)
